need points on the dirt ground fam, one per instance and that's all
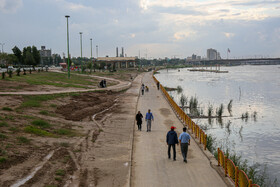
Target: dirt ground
(60, 152)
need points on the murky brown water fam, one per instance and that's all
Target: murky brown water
(252, 89)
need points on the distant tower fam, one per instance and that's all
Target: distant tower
(122, 52)
(117, 51)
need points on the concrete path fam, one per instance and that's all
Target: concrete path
(151, 166)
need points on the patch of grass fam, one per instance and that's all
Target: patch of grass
(4, 124)
(64, 144)
(51, 185)
(41, 123)
(3, 159)
(37, 131)
(53, 105)
(36, 100)
(58, 178)
(10, 117)
(44, 112)
(60, 172)
(7, 109)
(66, 159)
(66, 132)
(23, 140)
(14, 129)
(28, 117)
(3, 136)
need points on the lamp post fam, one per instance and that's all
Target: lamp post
(81, 51)
(2, 47)
(68, 60)
(97, 51)
(91, 55)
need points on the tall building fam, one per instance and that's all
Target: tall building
(45, 52)
(213, 54)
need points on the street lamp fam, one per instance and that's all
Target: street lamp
(68, 60)
(81, 51)
(96, 51)
(91, 55)
(2, 47)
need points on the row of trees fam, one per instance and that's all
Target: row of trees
(28, 56)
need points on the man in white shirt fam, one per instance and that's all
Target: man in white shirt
(185, 141)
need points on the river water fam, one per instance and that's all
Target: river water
(253, 89)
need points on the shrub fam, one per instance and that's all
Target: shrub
(230, 106)
(36, 131)
(179, 89)
(210, 110)
(220, 111)
(3, 136)
(3, 159)
(183, 100)
(22, 139)
(44, 112)
(60, 172)
(41, 123)
(4, 124)
(7, 109)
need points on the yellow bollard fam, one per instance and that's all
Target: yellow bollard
(226, 166)
(236, 176)
(219, 156)
(250, 182)
(205, 145)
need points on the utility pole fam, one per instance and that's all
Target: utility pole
(81, 51)
(68, 60)
(2, 47)
(96, 51)
(91, 55)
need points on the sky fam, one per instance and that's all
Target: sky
(151, 28)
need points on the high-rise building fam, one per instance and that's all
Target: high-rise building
(45, 52)
(212, 54)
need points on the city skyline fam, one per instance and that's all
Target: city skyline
(156, 28)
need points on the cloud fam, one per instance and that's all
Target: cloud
(229, 35)
(182, 35)
(10, 6)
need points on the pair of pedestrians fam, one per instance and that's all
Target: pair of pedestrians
(172, 140)
(149, 118)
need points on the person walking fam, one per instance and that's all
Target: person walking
(149, 118)
(139, 117)
(172, 140)
(185, 141)
(143, 89)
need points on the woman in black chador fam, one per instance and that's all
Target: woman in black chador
(139, 117)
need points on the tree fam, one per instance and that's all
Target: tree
(17, 52)
(29, 60)
(36, 55)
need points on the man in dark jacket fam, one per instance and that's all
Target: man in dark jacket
(139, 117)
(172, 140)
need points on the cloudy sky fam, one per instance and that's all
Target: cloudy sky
(156, 28)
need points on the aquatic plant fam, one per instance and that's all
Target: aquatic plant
(245, 116)
(179, 89)
(230, 106)
(220, 111)
(210, 110)
(211, 143)
(183, 100)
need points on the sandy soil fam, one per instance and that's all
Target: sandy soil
(94, 120)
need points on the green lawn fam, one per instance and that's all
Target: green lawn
(55, 79)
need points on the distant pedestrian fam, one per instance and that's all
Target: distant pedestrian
(172, 140)
(143, 89)
(139, 117)
(158, 85)
(104, 83)
(146, 88)
(185, 141)
(149, 118)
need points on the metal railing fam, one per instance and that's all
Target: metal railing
(238, 177)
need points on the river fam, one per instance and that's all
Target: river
(253, 89)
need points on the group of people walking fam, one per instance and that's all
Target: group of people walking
(171, 138)
(149, 118)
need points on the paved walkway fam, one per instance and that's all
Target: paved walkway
(151, 166)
